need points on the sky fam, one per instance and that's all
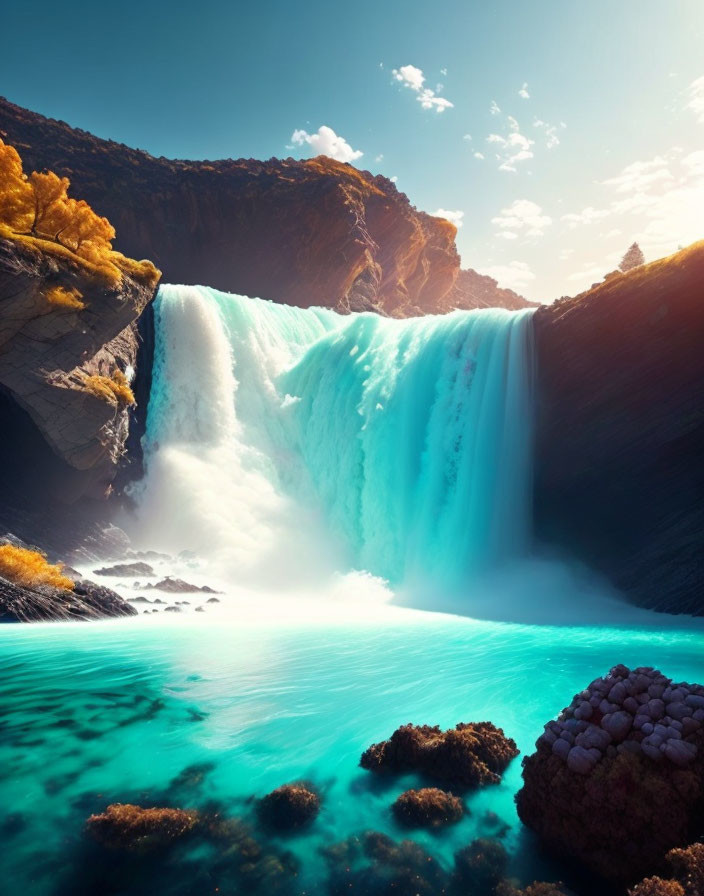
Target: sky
(553, 133)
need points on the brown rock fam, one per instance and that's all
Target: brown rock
(48, 354)
(132, 828)
(289, 808)
(466, 756)
(474, 290)
(427, 808)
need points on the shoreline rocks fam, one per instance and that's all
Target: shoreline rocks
(617, 779)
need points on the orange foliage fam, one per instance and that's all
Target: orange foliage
(31, 568)
(115, 389)
(70, 299)
(16, 194)
(38, 208)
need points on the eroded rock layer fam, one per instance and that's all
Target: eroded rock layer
(65, 367)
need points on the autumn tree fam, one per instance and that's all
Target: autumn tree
(632, 259)
(50, 200)
(38, 207)
(16, 195)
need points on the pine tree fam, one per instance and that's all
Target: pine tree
(632, 259)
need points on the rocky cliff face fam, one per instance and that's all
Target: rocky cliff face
(620, 440)
(474, 290)
(313, 232)
(64, 411)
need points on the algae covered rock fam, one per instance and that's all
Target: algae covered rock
(429, 807)
(128, 827)
(467, 756)
(289, 807)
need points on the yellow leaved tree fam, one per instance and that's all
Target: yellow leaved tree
(38, 208)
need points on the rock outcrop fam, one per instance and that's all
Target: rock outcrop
(466, 756)
(315, 232)
(474, 290)
(619, 476)
(618, 779)
(64, 366)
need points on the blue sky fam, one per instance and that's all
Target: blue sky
(586, 120)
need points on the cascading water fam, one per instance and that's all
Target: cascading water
(288, 443)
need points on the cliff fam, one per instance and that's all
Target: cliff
(474, 290)
(313, 232)
(620, 430)
(65, 401)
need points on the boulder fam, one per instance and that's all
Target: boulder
(627, 791)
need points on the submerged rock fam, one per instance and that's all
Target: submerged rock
(128, 827)
(687, 867)
(466, 756)
(617, 788)
(372, 864)
(429, 807)
(289, 807)
(480, 867)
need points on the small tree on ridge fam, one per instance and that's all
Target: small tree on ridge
(632, 259)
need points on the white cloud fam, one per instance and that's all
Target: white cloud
(443, 72)
(456, 217)
(379, 158)
(514, 148)
(478, 155)
(523, 92)
(586, 216)
(522, 217)
(394, 178)
(696, 98)
(467, 137)
(550, 131)
(658, 202)
(412, 77)
(640, 175)
(514, 275)
(494, 108)
(326, 142)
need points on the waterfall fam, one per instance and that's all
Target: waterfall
(291, 443)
